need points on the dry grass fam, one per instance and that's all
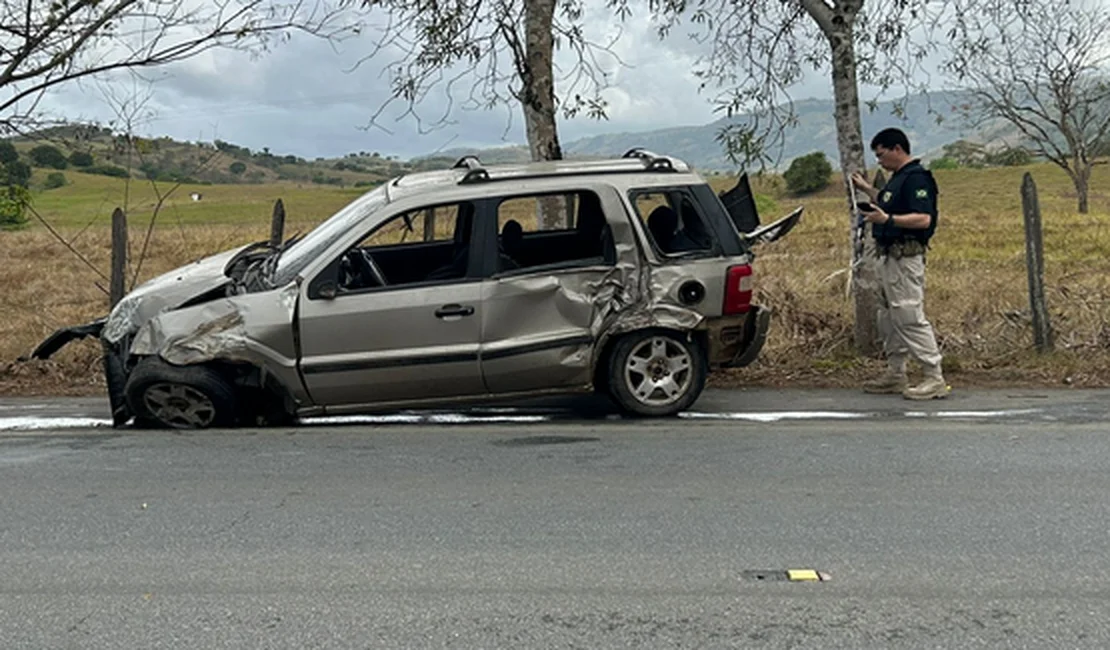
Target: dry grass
(976, 296)
(977, 288)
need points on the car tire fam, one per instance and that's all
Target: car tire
(179, 397)
(656, 373)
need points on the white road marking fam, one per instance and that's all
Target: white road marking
(32, 423)
(416, 418)
(775, 416)
(971, 414)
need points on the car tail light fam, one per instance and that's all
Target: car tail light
(738, 289)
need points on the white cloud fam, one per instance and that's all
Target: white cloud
(303, 98)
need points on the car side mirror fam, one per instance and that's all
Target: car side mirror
(327, 290)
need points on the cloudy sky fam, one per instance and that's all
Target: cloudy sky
(307, 98)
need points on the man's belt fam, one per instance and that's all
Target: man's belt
(901, 248)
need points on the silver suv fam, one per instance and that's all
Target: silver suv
(474, 284)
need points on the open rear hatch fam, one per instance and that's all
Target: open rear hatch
(739, 202)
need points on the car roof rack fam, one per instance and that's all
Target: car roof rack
(652, 161)
(636, 160)
(475, 171)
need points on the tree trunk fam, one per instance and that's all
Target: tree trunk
(835, 22)
(865, 283)
(538, 85)
(1082, 180)
(538, 99)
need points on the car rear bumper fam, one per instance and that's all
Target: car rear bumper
(736, 341)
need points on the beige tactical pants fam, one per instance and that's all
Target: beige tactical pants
(901, 315)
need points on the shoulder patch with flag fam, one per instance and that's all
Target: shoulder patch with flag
(922, 193)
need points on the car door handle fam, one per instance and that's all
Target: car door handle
(447, 311)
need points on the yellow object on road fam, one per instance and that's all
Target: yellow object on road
(796, 575)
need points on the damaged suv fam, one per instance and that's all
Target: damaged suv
(628, 276)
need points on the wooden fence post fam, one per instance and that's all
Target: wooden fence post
(1034, 264)
(429, 224)
(277, 224)
(119, 257)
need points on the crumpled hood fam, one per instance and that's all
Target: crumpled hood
(165, 292)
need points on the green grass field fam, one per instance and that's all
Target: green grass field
(976, 296)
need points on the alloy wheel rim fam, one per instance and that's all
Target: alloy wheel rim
(179, 406)
(658, 372)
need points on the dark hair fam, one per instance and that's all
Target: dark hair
(888, 138)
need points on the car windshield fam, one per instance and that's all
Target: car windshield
(312, 245)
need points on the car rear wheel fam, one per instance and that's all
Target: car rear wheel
(179, 397)
(656, 373)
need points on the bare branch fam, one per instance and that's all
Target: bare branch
(475, 51)
(1041, 67)
(44, 43)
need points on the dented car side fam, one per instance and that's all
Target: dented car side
(276, 334)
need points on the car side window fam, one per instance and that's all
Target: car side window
(429, 244)
(673, 220)
(553, 231)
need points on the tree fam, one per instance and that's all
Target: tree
(237, 168)
(8, 154)
(45, 155)
(81, 159)
(966, 153)
(759, 49)
(465, 42)
(44, 43)
(14, 176)
(808, 173)
(1041, 66)
(1009, 157)
(54, 180)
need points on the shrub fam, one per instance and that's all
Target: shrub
(237, 168)
(81, 159)
(1010, 157)
(966, 153)
(108, 170)
(54, 180)
(808, 173)
(13, 171)
(8, 154)
(944, 163)
(46, 156)
(16, 172)
(320, 179)
(13, 207)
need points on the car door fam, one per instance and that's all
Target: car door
(541, 300)
(363, 343)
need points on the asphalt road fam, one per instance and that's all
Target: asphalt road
(979, 521)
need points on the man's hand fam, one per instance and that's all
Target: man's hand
(874, 216)
(860, 181)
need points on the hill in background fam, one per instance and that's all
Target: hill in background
(165, 159)
(815, 131)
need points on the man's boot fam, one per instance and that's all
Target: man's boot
(889, 382)
(932, 388)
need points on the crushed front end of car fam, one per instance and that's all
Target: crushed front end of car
(206, 280)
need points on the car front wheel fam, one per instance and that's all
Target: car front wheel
(179, 397)
(656, 373)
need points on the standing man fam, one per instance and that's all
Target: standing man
(904, 217)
